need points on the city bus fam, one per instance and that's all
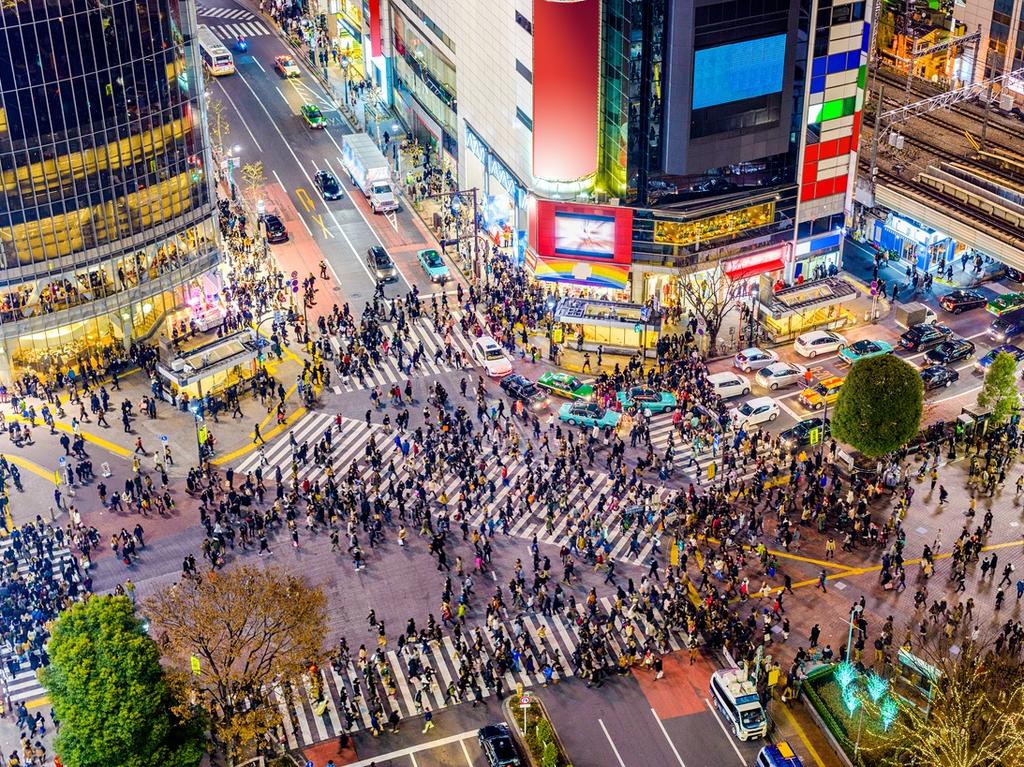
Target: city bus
(217, 59)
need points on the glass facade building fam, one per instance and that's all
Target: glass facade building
(107, 218)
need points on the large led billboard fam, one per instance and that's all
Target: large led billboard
(591, 236)
(566, 66)
(576, 232)
(738, 71)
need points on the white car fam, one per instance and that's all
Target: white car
(819, 342)
(490, 355)
(779, 375)
(755, 411)
(754, 359)
(729, 384)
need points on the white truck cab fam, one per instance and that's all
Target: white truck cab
(737, 699)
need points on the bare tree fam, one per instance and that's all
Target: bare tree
(711, 295)
(220, 128)
(253, 176)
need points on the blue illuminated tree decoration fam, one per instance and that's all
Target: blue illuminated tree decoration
(877, 687)
(889, 710)
(850, 699)
(845, 675)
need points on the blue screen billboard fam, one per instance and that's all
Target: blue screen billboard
(738, 71)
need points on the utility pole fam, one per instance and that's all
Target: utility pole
(988, 110)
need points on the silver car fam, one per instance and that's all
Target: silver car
(754, 358)
(779, 375)
(381, 265)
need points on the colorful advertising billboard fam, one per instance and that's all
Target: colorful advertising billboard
(566, 65)
(581, 232)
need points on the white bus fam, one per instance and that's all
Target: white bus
(217, 59)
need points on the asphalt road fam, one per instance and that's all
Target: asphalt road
(263, 110)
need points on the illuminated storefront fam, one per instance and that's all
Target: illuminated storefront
(612, 325)
(348, 40)
(818, 305)
(503, 202)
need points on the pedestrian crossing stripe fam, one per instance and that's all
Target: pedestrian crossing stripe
(23, 685)
(388, 373)
(222, 13)
(306, 722)
(231, 32)
(348, 446)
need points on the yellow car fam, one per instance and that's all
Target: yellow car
(825, 391)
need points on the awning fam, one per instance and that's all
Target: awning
(743, 271)
(593, 274)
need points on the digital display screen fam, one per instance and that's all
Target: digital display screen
(738, 71)
(579, 234)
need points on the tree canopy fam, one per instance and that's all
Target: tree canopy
(230, 638)
(108, 690)
(880, 406)
(999, 392)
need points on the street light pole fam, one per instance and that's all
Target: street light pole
(854, 612)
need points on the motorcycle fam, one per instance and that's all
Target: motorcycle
(241, 45)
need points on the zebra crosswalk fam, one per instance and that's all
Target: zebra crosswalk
(685, 459)
(633, 537)
(415, 679)
(432, 360)
(20, 679)
(231, 32)
(222, 13)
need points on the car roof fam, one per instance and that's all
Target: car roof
(758, 401)
(725, 375)
(832, 380)
(812, 334)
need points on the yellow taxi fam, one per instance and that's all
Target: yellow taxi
(826, 391)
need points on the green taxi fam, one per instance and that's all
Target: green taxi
(565, 385)
(313, 116)
(1005, 303)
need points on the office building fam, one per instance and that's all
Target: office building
(107, 222)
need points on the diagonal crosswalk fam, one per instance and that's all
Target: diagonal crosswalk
(207, 12)
(432, 359)
(415, 679)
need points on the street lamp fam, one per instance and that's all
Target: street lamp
(854, 612)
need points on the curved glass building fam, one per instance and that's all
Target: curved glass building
(107, 226)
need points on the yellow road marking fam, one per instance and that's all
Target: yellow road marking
(37, 702)
(87, 436)
(802, 735)
(305, 199)
(28, 465)
(246, 449)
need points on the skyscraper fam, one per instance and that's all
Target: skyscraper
(107, 215)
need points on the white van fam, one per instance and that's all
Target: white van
(736, 697)
(490, 355)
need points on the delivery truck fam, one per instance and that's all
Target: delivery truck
(369, 171)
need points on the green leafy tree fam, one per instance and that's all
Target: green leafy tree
(880, 406)
(108, 691)
(999, 392)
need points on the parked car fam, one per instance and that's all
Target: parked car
(816, 342)
(779, 375)
(523, 389)
(924, 336)
(865, 350)
(729, 384)
(952, 350)
(498, 746)
(328, 185)
(962, 300)
(588, 414)
(754, 411)
(800, 434)
(647, 398)
(754, 359)
(565, 385)
(937, 376)
(492, 357)
(381, 265)
(826, 391)
(276, 231)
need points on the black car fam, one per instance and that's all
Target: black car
(800, 435)
(924, 336)
(275, 228)
(328, 185)
(951, 350)
(499, 748)
(522, 388)
(1012, 274)
(937, 376)
(962, 301)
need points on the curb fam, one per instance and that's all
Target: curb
(520, 736)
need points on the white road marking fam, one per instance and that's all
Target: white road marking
(310, 180)
(959, 394)
(728, 735)
(411, 750)
(281, 94)
(465, 753)
(231, 101)
(670, 743)
(611, 743)
(257, 62)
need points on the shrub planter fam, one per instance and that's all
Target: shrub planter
(539, 741)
